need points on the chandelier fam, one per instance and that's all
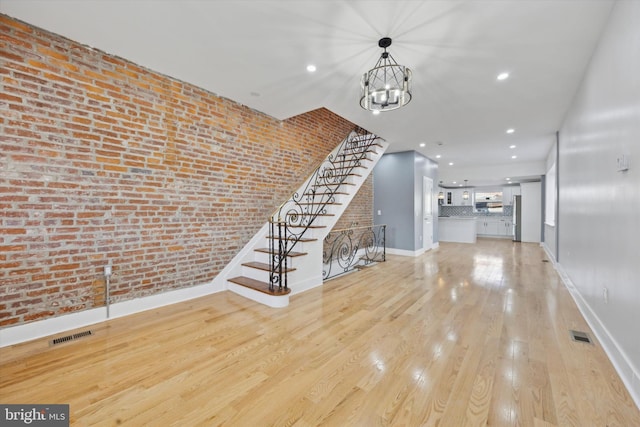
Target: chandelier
(387, 86)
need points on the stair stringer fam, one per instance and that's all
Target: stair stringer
(308, 273)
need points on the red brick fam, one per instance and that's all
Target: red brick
(139, 170)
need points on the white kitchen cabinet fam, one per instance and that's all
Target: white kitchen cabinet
(507, 194)
(494, 226)
(447, 197)
(487, 226)
(455, 197)
(505, 227)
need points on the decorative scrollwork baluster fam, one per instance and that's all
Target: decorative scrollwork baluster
(349, 248)
(296, 215)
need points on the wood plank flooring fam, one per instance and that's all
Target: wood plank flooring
(466, 335)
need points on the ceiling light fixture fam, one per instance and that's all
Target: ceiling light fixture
(387, 86)
(451, 164)
(311, 68)
(511, 130)
(512, 146)
(438, 156)
(422, 144)
(503, 76)
(514, 157)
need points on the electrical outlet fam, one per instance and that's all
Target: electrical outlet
(107, 270)
(605, 295)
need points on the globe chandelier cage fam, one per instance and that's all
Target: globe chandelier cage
(387, 86)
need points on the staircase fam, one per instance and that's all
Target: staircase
(285, 256)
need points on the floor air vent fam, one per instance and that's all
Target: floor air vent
(68, 338)
(580, 337)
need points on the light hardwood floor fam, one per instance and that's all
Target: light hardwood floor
(464, 335)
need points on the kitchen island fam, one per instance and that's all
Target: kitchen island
(460, 229)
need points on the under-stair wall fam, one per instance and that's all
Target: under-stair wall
(306, 259)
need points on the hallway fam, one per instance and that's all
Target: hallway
(469, 334)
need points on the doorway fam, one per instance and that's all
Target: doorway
(427, 213)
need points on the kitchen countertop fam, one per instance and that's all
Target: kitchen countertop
(457, 217)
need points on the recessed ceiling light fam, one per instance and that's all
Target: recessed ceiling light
(455, 182)
(514, 157)
(422, 144)
(376, 112)
(311, 68)
(503, 76)
(511, 130)
(451, 164)
(460, 185)
(508, 179)
(512, 146)
(438, 156)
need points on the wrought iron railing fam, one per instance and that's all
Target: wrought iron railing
(350, 248)
(297, 215)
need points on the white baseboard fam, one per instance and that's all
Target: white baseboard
(404, 252)
(33, 330)
(549, 254)
(630, 377)
(305, 285)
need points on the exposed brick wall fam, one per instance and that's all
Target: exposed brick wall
(359, 213)
(103, 161)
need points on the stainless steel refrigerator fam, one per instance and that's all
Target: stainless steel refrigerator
(517, 217)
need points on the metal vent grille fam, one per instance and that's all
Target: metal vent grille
(580, 337)
(68, 338)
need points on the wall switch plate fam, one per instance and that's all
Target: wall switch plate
(623, 163)
(107, 270)
(379, 212)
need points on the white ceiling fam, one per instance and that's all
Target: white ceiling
(256, 52)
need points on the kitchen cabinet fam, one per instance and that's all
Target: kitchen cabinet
(455, 197)
(507, 194)
(494, 226)
(505, 227)
(447, 199)
(487, 226)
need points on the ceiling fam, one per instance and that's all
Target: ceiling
(256, 53)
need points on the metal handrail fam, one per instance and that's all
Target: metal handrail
(301, 215)
(346, 249)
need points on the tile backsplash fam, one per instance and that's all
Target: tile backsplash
(468, 211)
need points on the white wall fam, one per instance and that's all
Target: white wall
(599, 218)
(549, 238)
(531, 215)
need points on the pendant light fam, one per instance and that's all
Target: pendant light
(387, 86)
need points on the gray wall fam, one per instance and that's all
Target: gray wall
(599, 227)
(397, 189)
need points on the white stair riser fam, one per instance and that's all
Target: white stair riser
(263, 276)
(308, 271)
(265, 257)
(254, 273)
